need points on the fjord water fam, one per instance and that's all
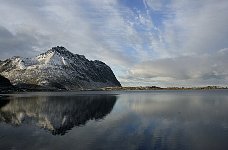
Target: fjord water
(161, 120)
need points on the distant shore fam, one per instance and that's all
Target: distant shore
(138, 88)
(160, 88)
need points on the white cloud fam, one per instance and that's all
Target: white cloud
(193, 27)
(154, 4)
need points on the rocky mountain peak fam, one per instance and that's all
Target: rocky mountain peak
(60, 50)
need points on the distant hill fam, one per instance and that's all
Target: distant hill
(58, 68)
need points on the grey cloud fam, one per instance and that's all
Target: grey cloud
(194, 70)
(16, 45)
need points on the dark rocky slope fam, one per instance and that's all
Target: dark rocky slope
(5, 85)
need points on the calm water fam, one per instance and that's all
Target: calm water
(161, 120)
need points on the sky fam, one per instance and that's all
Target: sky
(145, 42)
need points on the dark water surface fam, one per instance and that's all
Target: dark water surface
(160, 120)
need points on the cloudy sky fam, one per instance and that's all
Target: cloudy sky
(146, 42)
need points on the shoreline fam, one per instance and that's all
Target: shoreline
(160, 88)
(153, 88)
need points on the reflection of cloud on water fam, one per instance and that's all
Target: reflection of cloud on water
(57, 114)
(176, 120)
(181, 107)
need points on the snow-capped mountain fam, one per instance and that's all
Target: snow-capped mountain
(58, 68)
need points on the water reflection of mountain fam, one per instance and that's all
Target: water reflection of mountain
(58, 114)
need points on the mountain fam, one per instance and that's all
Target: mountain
(58, 68)
(53, 113)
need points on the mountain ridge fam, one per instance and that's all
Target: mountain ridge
(58, 68)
